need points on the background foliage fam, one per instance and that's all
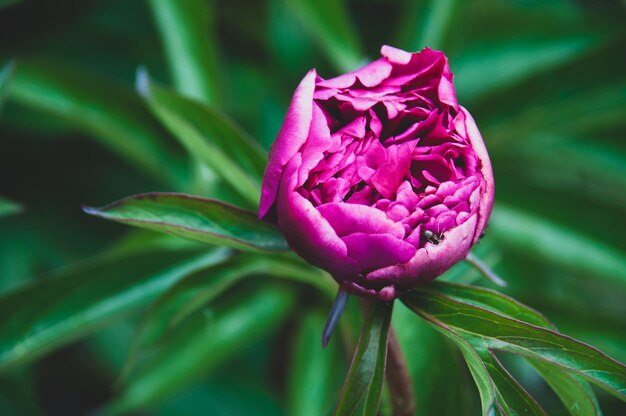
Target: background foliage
(97, 315)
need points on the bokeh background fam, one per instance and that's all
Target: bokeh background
(545, 81)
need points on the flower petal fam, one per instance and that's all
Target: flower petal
(291, 137)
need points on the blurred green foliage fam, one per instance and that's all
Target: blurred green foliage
(87, 306)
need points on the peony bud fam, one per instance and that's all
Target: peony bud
(379, 176)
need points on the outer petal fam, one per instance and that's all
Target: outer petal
(486, 203)
(431, 260)
(373, 251)
(291, 137)
(306, 231)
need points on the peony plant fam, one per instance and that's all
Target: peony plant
(366, 220)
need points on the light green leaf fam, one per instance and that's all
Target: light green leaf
(515, 60)
(489, 330)
(202, 343)
(194, 218)
(9, 207)
(187, 32)
(73, 302)
(114, 115)
(210, 138)
(328, 23)
(436, 23)
(313, 370)
(541, 239)
(573, 390)
(364, 382)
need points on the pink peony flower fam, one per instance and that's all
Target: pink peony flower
(379, 176)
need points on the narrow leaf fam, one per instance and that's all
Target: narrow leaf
(73, 302)
(488, 330)
(516, 59)
(113, 115)
(542, 239)
(202, 343)
(195, 218)
(328, 23)
(313, 370)
(574, 392)
(187, 32)
(198, 290)
(209, 137)
(364, 382)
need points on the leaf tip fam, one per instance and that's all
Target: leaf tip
(142, 81)
(91, 210)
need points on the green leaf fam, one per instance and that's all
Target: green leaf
(512, 399)
(73, 302)
(541, 239)
(328, 23)
(364, 382)
(313, 370)
(584, 111)
(516, 60)
(200, 289)
(194, 218)
(436, 23)
(499, 392)
(488, 330)
(586, 168)
(203, 343)
(209, 137)
(114, 115)
(187, 32)
(490, 299)
(9, 207)
(573, 390)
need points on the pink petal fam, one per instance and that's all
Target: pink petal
(352, 218)
(291, 137)
(486, 203)
(373, 251)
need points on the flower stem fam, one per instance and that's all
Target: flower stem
(400, 384)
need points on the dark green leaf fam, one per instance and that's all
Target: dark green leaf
(210, 137)
(202, 343)
(112, 114)
(512, 399)
(328, 23)
(71, 303)
(195, 218)
(313, 370)
(541, 239)
(200, 289)
(364, 382)
(187, 32)
(489, 330)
